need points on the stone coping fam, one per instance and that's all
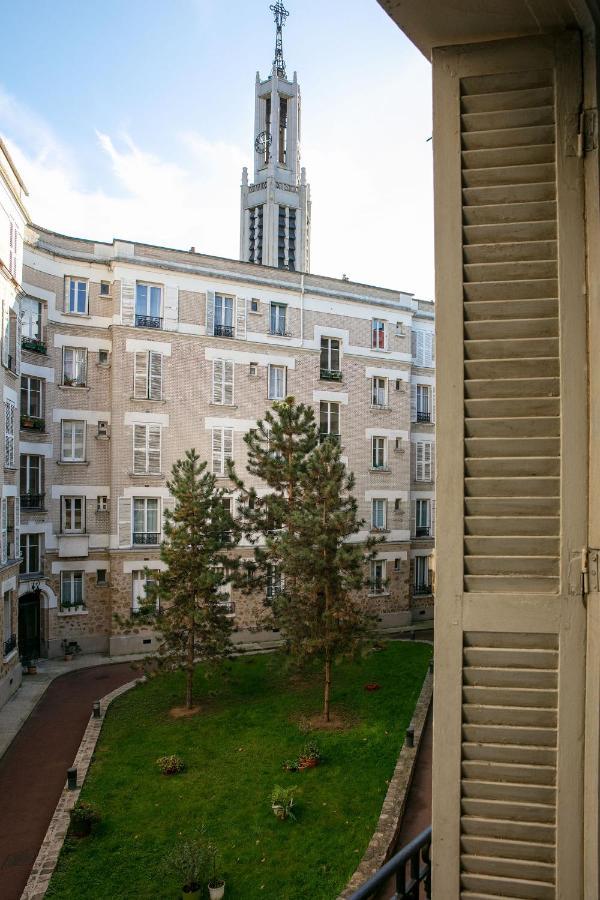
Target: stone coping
(47, 858)
(383, 843)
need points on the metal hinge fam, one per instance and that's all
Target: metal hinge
(590, 582)
(587, 131)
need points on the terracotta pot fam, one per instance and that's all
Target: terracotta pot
(307, 763)
(191, 895)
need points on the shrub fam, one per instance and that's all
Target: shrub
(170, 765)
(190, 860)
(311, 751)
(282, 801)
(83, 817)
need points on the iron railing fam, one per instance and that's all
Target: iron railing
(146, 537)
(422, 531)
(411, 869)
(10, 644)
(223, 331)
(78, 381)
(148, 321)
(422, 588)
(423, 416)
(330, 436)
(330, 375)
(280, 331)
(32, 501)
(35, 345)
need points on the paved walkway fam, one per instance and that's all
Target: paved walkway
(33, 768)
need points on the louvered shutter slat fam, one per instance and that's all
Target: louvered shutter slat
(127, 302)
(140, 375)
(154, 442)
(124, 521)
(156, 375)
(210, 312)
(139, 449)
(217, 451)
(228, 382)
(217, 381)
(413, 403)
(240, 318)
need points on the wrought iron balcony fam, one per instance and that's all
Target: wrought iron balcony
(35, 345)
(330, 436)
(32, 501)
(280, 331)
(32, 422)
(377, 586)
(148, 321)
(224, 331)
(422, 531)
(422, 588)
(146, 537)
(330, 375)
(10, 644)
(423, 416)
(411, 868)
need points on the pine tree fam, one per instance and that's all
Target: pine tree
(199, 536)
(322, 617)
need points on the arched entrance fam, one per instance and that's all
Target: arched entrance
(29, 624)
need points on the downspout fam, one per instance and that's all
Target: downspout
(302, 309)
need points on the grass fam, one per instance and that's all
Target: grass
(234, 750)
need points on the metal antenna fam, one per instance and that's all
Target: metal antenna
(280, 14)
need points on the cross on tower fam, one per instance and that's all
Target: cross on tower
(280, 14)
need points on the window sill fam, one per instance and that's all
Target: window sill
(380, 350)
(380, 530)
(30, 576)
(224, 405)
(146, 474)
(102, 437)
(76, 315)
(384, 407)
(379, 594)
(385, 470)
(72, 462)
(73, 387)
(147, 400)
(10, 468)
(11, 372)
(72, 612)
(103, 365)
(276, 399)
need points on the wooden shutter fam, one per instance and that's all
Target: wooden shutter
(127, 302)
(65, 296)
(9, 434)
(5, 332)
(217, 451)
(210, 312)
(432, 404)
(140, 442)
(140, 375)
(413, 518)
(18, 333)
(432, 517)
(124, 523)
(171, 307)
(419, 461)
(511, 500)
(413, 344)
(154, 448)
(427, 455)
(217, 381)
(17, 508)
(168, 506)
(413, 403)
(227, 444)
(240, 317)
(4, 529)
(156, 375)
(228, 382)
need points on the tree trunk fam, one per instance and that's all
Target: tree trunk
(189, 673)
(327, 692)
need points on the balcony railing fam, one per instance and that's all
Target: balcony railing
(35, 345)
(280, 331)
(223, 331)
(32, 501)
(34, 423)
(10, 644)
(330, 436)
(411, 868)
(422, 588)
(74, 382)
(146, 537)
(71, 605)
(148, 321)
(423, 416)
(422, 531)
(330, 375)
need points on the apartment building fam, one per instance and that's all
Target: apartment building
(133, 354)
(13, 218)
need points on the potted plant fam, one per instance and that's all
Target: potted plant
(83, 817)
(282, 801)
(170, 765)
(190, 859)
(70, 649)
(31, 667)
(310, 756)
(216, 885)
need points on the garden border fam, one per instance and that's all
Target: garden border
(383, 843)
(47, 858)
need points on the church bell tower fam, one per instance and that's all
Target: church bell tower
(275, 207)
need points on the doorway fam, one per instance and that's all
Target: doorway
(29, 625)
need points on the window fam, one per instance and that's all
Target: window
(145, 521)
(329, 419)
(73, 515)
(71, 590)
(103, 357)
(146, 449)
(148, 304)
(423, 403)
(222, 449)
(274, 581)
(102, 429)
(31, 397)
(422, 578)
(101, 504)
(31, 481)
(422, 518)
(9, 434)
(30, 554)
(223, 316)
(105, 288)
(277, 382)
(278, 318)
(379, 392)
(422, 347)
(147, 375)
(398, 504)
(74, 366)
(101, 576)
(76, 296)
(330, 359)
(423, 457)
(140, 581)
(253, 369)
(378, 514)
(397, 564)
(222, 382)
(378, 334)
(72, 440)
(254, 306)
(378, 452)
(31, 317)
(378, 576)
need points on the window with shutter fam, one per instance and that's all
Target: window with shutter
(222, 385)
(140, 375)
(9, 434)
(127, 302)
(124, 521)
(155, 389)
(222, 449)
(147, 449)
(72, 440)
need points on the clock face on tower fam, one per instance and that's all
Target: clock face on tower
(262, 142)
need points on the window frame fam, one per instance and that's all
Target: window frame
(78, 364)
(72, 577)
(377, 585)
(277, 316)
(27, 392)
(26, 547)
(332, 406)
(73, 294)
(63, 425)
(422, 562)
(273, 367)
(379, 391)
(378, 503)
(69, 502)
(26, 469)
(145, 501)
(329, 351)
(380, 450)
(378, 334)
(27, 319)
(224, 302)
(149, 286)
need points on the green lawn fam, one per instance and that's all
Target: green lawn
(234, 752)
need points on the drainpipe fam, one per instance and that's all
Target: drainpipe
(302, 309)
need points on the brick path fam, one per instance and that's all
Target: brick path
(33, 769)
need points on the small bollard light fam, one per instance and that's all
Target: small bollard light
(410, 736)
(72, 778)
(96, 709)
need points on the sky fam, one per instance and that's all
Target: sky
(134, 118)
